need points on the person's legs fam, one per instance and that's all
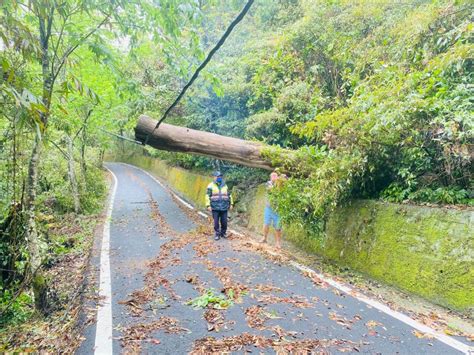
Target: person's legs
(266, 228)
(278, 238)
(223, 217)
(277, 225)
(266, 223)
(215, 217)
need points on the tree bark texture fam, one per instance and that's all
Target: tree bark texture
(83, 152)
(182, 139)
(32, 183)
(72, 174)
(32, 237)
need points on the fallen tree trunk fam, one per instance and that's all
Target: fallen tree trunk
(182, 139)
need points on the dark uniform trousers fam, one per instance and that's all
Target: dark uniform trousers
(220, 222)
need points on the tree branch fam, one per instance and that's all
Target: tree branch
(84, 124)
(55, 51)
(60, 149)
(78, 43)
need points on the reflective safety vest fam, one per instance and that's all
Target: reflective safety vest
(218, 197)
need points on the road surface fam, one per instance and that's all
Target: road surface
(157, 257)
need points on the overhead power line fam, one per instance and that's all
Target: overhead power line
(121, 137)
(203, 64)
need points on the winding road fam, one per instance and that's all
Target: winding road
(157, 256)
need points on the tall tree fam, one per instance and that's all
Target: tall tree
(57, 29)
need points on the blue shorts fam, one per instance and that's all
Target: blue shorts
(270, 217)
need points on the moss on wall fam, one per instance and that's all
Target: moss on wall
(424, 250)
(191, 185)
(257, 206)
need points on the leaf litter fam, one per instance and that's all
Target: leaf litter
(245, 342)
(256, 316)
(71, 293)
(135, 335)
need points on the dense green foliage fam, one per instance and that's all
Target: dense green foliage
(62, 90)
(394, 108)
(374, 97)
(377, 98)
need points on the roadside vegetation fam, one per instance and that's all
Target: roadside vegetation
(63, 93)
(376, 97)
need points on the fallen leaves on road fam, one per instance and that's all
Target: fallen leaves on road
(347, 323)
(255, 317)
(316, 279)
(296, 301)
(422, 335)
(135, 309)
(209, 299)
(196, 282)
(434, 321)
(215, 320)
(232, 289)
(164, 227)
(245, 244)
(205, 247)
(373, 324)
(268, 288)
(138, 333)
(154, 278)
(281, 333)
(243, 342)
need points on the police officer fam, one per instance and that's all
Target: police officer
(219, 201)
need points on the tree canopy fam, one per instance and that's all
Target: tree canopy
(374, 97)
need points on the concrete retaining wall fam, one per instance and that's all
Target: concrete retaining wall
(428, 251)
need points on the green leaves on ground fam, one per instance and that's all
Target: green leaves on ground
(212, 300)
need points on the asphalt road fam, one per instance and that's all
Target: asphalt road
(160, 259)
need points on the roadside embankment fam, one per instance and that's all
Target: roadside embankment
(428, 251)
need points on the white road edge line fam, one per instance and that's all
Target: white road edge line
(235, 232)
(456, 344)
(202, 214)
(103, 333)
(163, 186)
(387, 310)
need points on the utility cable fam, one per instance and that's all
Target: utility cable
(121, 137)
(203, 65)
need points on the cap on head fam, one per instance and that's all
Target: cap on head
(217, 173)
